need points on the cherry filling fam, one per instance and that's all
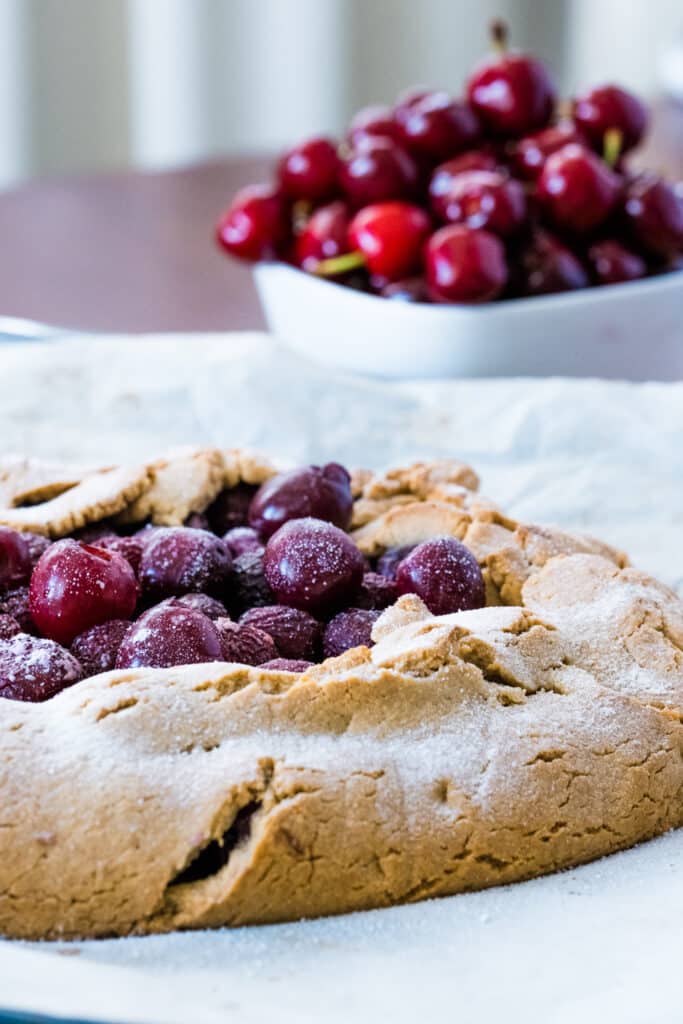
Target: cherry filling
(282, 593)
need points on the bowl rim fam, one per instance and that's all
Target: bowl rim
(665, 281)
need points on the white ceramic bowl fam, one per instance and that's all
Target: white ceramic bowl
(631, 331)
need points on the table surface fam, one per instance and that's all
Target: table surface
(132, 251)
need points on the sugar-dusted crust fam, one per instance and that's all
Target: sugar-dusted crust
(460, 752)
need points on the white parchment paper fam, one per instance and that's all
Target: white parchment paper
(600, 942)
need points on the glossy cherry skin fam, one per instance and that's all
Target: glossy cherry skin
(530, 154)
(611, 107)
(443, 176)
(444, 574)
(75, 586)
(324, 236)
(465, 265)
(546, 265)
(165, 636)
(576, 190)
(180, 560)
(436, 127)
(15, 559)
(377, 169)
(313, 566)
(612, 262)
(486, 199)
(256, 225)
(391, 237)
(321, 492)
(310, 170)
(513, 94)
(653, 211)
(374, 121)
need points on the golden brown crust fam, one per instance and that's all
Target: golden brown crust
(460, 752)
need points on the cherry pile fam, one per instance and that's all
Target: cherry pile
(504, 193)
(267, 576)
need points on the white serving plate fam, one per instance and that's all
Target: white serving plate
(629, 331)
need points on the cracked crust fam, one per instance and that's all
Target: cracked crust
(459, 752)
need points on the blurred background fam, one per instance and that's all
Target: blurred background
(86, 84)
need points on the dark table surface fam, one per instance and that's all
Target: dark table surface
(133, 251)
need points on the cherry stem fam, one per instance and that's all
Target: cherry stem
(340, 264)
(500, 35)
(611, 146)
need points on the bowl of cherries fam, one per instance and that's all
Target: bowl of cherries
(473, 236)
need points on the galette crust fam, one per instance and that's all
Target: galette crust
(461, 751)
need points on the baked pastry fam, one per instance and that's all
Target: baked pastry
(225, 772)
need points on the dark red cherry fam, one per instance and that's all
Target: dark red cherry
(313, 565)
(75, 586)
(465, 265)
(209, 606)
(610, 107)
(653, 212)
(17, 604)
(377, 591)
(35, 670)
(130, 548)
(249, 587)
(309, 170)
(436, 127)
(486, 199)
(530, 154)
(376, 169)
(37, 545)
(374, 121)
(241, 539)
(179, 560)
(388, 563)
(165, 636)
(512, 93)
(611, 262)
(244, 643)
(407, 289)
(295, 632)
(256, 225)
(391, 238)
(231, 508)
(323, 492)
(15, 559)
(324, 236)
(444, 574)
(348, 629)
(97, 648)
(287, 665)
(576, 190)
(443, 176)
(545, 265)
(9, 626)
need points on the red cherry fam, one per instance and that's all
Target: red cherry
(436, 127)
(325, 236)
(443, 176)
(309, 171)
(577, 190)
(391, 237)
(377, 169)
(545, 266)
(653, 210)
(15, 559)
(485, 199)
(375, 120)
(611, 108)
(35, 670)
(166, 635)
(75, 586)
(256, 225)
(530, 153)
(465, 265)
(444, 574)
(318, 492)
(512, 93)
(612, 263)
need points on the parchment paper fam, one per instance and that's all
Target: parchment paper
(599, 942)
